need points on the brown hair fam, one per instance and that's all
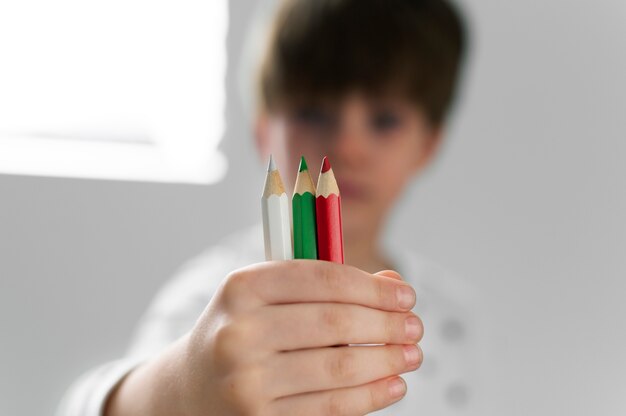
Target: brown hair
(326, 48)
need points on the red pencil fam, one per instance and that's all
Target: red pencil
(328, 212)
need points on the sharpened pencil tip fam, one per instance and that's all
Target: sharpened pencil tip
(271, 166)
(325, 165)
(303, 165)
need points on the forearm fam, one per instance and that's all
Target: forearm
(151, 389)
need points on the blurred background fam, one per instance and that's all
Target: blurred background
(526, 201)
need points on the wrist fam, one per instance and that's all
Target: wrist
(153, 388)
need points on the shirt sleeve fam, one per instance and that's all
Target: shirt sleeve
(86, 397)
(171, 314)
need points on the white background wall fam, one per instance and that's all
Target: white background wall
(527, 201)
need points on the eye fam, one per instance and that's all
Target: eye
(384, 121)
(314, 117)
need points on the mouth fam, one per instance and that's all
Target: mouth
(352, 190)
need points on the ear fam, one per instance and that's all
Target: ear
(261, 134)
(429, 147)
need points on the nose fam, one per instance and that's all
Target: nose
(350, 147)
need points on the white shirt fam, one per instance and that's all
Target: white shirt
(447, 382)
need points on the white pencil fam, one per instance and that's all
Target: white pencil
(276, 222)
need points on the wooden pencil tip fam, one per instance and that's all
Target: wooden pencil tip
(325, 165)
(303, 165)
(271, 166)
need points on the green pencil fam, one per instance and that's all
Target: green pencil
(303, 204)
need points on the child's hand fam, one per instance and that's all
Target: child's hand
(264, 344)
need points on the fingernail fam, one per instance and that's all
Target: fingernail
(406, 296)
(411, 355)
(396, 387)
(412, 327)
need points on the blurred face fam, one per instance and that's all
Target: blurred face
(375, 148)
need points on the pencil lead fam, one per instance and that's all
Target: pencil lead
(325, 165)
(271, 166)
(303, 165)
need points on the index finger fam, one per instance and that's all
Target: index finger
(296, 281)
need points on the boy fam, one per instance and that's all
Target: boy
(367, 83)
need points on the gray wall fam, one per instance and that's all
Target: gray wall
(529, 200)
(526, 201)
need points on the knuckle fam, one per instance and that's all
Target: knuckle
(334, 319)
(396, 360)
(384, 293)
(335, 406)
(342, 366)
(237, 291)
(224, 342)
(296, 267)
(330, 276)
(393, 328)
(229, 339)
(236, 282)
(374, 400)
(242, 390)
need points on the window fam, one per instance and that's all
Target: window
(116, 89)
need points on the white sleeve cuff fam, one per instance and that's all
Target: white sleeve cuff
(87, 395)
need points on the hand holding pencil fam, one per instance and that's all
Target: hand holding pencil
(265, 341)
(265, 344)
